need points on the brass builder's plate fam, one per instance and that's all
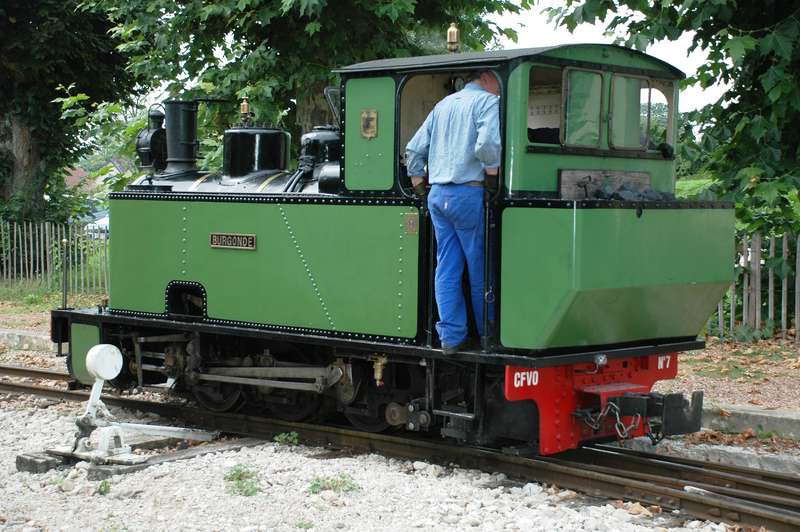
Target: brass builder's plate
(369, 123)
(232, 241)
(412, 223)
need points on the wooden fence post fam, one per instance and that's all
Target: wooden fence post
(745, 282)
(797, 292)
(784, 286)
(6, 249)
(106, 266)
(14, 252)
(771, 283)
(755, 280)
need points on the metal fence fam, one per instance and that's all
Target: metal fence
(765, 297)
(36, 252)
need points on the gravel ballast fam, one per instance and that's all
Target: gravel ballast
(280, 487)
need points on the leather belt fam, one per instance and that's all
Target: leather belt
(467, 183)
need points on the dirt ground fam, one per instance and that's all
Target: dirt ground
(763, 374)
(11, 317)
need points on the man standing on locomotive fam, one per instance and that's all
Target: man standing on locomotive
(460, 142)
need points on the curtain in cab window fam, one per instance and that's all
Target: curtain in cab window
(582, 118)
(630, 102)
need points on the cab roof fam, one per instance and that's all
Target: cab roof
(492, 57)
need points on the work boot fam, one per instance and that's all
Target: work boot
(453, 349)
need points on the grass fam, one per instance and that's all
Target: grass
(104, 488)
(341, 484)
(242, 480)
(732, 370)
(287, 438)
(26, 297)
(305, 525)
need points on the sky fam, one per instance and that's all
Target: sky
(534, 31)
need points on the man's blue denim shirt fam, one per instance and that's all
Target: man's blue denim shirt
(459, 139)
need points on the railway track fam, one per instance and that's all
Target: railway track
(738, 496)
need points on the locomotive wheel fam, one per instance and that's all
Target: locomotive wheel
(303, 406)
(218, 396)
(369, 423)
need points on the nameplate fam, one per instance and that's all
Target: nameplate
(232, 241)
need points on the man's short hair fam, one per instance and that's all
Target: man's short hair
(476, 74)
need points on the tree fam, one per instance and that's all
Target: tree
(279, 53)
(750, 134)
(45, 44)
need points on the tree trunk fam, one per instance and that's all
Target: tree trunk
(313, 110)
(23, 183)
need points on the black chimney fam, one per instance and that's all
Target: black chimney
(181, 136)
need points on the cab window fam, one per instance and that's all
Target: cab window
(640, 113)
(582, 106)
(544, 105)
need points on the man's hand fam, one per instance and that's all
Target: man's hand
(491, 179)
(418, 182)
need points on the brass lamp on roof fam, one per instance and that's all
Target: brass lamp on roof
(452, 38)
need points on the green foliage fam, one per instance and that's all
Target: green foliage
(693, 189)
(242, 480)
(45, 44)
(749, 135)
(239, 472)
(108, 137)
(279, 53)
(305, 525)
(340, 484)
(104, 488)
(287, 438)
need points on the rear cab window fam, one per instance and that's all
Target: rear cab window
(566, 107)
(640, 113)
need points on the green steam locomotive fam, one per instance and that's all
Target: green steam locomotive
(308, 294)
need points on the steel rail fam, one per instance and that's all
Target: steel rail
(680, 476)
(35, 373)
(762, 474)
(703, 501)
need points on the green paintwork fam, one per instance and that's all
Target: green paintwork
(575, 277)
(369, 162)
(334, 267)
(539, 171)
(82, 338)
(609, 55)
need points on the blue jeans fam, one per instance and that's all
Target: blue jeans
(457, 215)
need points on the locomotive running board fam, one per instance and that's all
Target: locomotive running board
(62, 318)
